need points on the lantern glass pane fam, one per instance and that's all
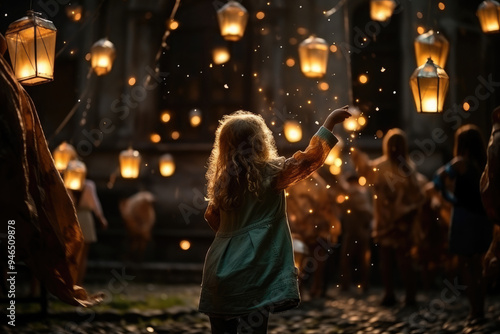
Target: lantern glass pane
(232, 21)
(313, 59)
(130, 161)
(489, 16)
(431, 45)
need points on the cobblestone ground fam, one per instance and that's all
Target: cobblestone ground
(439, 311)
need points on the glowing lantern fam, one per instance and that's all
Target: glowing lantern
(334, 154)
(195, 117)
(32, 43)
(102, 55)
(74, 176)
(74, 12)
(488, 13)
(130, 163)
(63, 154)
(431, 45)
(167, 165)
(220, 55)
(381, 10)
(184, 244)
(233, 19)
(293, 131)
(356, 122)
(429, 84)
(313, 54)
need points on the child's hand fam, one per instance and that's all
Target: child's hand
(337, 116)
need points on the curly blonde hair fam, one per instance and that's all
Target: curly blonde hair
(243, 149)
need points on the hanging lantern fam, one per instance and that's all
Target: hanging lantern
(102, 55)
(220, 55)
(195, 117)
(32, 43)
(381, 10)
(167, 165)
(334, 157)
(63, 154)
(488, 13)
(429, 84)
(431, 45)
(293, 131)
(313, 54)
(130, 163)
(356, 122)
(74, 176)
(233, 19)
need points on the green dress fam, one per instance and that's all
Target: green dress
(249, 265)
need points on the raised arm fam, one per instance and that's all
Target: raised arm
(303, 163)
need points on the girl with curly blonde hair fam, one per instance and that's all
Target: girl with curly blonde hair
(249, 269)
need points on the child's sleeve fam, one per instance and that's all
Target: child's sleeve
(303, 163)
(212, 216)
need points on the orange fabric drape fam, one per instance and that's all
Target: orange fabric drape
(32, 193)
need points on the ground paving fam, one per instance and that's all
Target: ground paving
(439, 311)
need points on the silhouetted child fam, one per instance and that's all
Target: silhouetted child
(357, 216)
(397, 199)
(249, 269)
(470, 230)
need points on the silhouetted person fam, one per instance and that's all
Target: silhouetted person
(490, 192)
(397, 199)
(470, 230)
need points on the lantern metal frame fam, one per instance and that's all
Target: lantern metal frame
(28, 52)
(429, 71)
(431, 45)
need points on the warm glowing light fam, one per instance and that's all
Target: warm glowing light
(381, 10)
(232, 19)
(220, 55)
(195, 117)
(165, 117)
(323, 85)
(63, 154)
(356, 122)
(260, 15)
(379, 134)
(441, 6)
(290, 62)
(74, 176)
(173, 24)
(155, 138)
(429, 85)
(333, 48)
(335, 170)
(167, 165)
(131, 81)
(31, 41)
(150, 329)
(313, 54)
(340, 199)
(420, 15)
(466, 106)
(74, 12)
(362, 180)
(293, 131)
(488, 13)
(335, 153)
(102, 56)
(185, 245)
(363, 79)
(130, 163)
(420, 30)
(175, 135)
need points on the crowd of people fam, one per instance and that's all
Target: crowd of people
(423, 227)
